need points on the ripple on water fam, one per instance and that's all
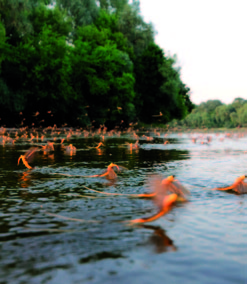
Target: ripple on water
(54, 230)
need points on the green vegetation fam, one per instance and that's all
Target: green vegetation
(215, 114)
(84, 62)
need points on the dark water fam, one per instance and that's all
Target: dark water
(202, 241)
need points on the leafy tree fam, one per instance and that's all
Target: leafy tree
(160, 92)
(223, 115)
(86, 61)
(113, 6)
(82, 12)
(185, 93)
(41, 71)
(14, 16)
(238, 103)
(209, 106)
(57, 20)
(107, 83)
(234, 119)
(174, 92)
(2, 41)
(214, 113)
(138, 33)
(242, 115)
(108, 24)
(194, 120)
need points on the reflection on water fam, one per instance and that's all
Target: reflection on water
(162, 243)
(25, 179)
(207, 236)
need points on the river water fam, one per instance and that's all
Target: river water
(55, 230)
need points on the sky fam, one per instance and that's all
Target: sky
(209, 38)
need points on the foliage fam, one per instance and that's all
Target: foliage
(82, 12)
(14, 15)
(108, 82)
(214, 113)
(85, 62)
(131, 24)
(160, 92)
(57, 20)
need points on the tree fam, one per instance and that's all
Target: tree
(194, 120)
(238, 103)
(242, 115)
(209, 106)
(160, 92)
(113, 6)
(82, 12)
(138, 33)
(86, 61)
(105, 74)
(58, 21)
(234, 119)
(41, 71)
(223, 115)
(14, 16)
(185, 93)
(2, 41)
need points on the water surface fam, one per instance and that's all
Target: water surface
(201, 241)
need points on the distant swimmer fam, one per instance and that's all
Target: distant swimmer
(165, 193)
(238, 186)
(158, 115)
(28, 157)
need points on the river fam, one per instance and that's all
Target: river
(54, 229)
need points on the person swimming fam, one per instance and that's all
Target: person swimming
(165, 193)
(239, 186)
(28, 157)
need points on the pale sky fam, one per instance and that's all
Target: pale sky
(209, 38)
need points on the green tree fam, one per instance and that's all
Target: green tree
(2, 42)
(234, 119)
(209, 106)
(113, 6)
(106, 76)
(41, 71)
(138, 33)
(57, 20)
(82, 12)
(14, 16)
(238, 103)
(223, 115)
(85, 61)
(242, 115)
(160, 93)
(194, 120)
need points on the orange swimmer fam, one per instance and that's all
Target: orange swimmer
(110, 174)
(165, 193)
(238, 186)
(28, 157)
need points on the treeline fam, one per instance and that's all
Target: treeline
(214, 113)
(84, 62)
